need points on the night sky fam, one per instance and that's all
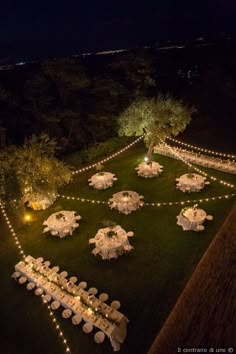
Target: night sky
(34, 27)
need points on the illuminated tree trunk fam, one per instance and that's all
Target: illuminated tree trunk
(150, 151)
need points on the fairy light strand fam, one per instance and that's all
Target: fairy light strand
(17, 242)
(181, 202)
(78, 198)
(228, 166)
(191, 201)
(22, 255)
(108, 158)
(203, 150)
(173, 151)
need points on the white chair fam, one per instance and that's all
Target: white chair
(15, 275)
(76, 319)
(30, 286)
(47, 263)
(209, 217)
(55, 305)
(115, 305)
(87, 327)
(200, 228)
(56, 269)
(82, 285)
(46, 229)
(92, 291)
(66, 313)
(73, 279)
(95, 251)
(112, 254)
(47, 298)
(128, 248)
(22, 280)
(66, 231)
(103, 297)
(38, 291)
(99, 337)
(63, 274)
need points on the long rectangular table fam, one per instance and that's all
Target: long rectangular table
(112, 322)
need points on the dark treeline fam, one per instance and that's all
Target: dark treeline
(78, 100)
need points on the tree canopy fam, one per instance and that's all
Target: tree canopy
(158, 118)
(31, 168)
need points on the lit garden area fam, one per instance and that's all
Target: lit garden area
(146, 281)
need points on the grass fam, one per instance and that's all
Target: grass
(147, 281)
(203, 315)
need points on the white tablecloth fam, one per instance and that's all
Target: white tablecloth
(102, 180)
(111, 247)
(190, 182)
(190, 218)
(126, 201)
(149, 170)
(64, 225)
(116, 331)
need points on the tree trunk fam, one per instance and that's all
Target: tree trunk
(150, 151)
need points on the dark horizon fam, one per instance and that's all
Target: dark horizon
(30, 30)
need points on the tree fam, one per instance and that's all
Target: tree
(33, 168)
(135, 69)
(158, 118)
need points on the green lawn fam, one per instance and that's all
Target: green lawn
(147, 281)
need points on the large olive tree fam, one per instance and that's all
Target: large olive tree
(158, 118)
(31, 168)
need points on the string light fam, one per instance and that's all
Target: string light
(109, 157)
(155, 203)
(22, 254)
(57, 326)
(79, 198)
(202, 150)
(191, 201)
(203, 160)
(173, 151)
(17, 242)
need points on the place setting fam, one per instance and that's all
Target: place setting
(111, 242)
(62, 223)
(102, 180)
(192, 218)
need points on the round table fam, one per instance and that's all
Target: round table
(102, 180)
(190, 182)
(126, 201)
(149, 169)
(62, 223)
(191, 218)
(111, 242)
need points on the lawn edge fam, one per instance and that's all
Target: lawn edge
(203, 316)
